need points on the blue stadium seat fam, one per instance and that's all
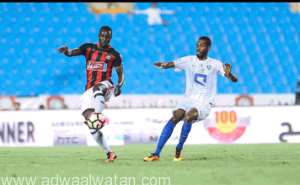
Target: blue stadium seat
(139, 19)
(104, 18)
(43, 27)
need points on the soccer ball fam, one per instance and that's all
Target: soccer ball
(96, 121)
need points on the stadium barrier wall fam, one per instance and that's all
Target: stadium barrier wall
(144, 101)
(224, 125)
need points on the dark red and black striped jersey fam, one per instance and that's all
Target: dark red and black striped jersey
(99, 63)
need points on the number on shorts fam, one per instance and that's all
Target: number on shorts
(201, 79)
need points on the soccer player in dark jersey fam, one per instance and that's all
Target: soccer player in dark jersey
(100, 60)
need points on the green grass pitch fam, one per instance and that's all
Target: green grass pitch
(202, 164)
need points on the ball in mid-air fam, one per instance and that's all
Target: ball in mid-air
(96, 121)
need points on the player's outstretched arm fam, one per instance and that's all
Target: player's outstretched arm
(228, 74)
(65, 50)
(164, 65)
(120, 80)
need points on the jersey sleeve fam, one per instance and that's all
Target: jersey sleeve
(181, 63)
(220, 68)
(83, 48)
(118, 60)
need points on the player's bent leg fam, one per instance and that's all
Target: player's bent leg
(100, 139)
(99, 91)
(168, 130)
(98, 136)
(166, 134)
(186, 128)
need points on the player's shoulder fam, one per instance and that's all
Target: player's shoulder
(186, 58)
(89, 45)
(114, 52)
(216, 61)
(191, 56)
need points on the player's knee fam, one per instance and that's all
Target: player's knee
(174, 120)
(86, 114)
(100, 87)
(188, 118)
(178, 116)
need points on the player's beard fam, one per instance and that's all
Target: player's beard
(103, 45)
(202, 56)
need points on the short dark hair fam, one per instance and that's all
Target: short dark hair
(207, 39)
(107, 28)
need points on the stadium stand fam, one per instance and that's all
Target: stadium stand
(262, 45)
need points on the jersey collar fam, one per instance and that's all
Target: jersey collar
(203, 60)
(110, 46)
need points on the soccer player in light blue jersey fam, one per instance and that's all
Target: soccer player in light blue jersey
(201, 87)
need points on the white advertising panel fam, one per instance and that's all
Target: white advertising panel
(240, 125)
(25, 128)
(144, 126)
(245, 125)
(69, 129)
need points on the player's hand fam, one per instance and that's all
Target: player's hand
(63, 49)
(157, 64)
(117, 91)
(227, 68)
(160, 65)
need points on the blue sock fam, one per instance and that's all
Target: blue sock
(186, 128)
(165, 135)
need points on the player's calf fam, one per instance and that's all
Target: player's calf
(166, 133)
(99, 137)
(187, 126)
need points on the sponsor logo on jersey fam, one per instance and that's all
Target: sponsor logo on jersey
(95, 66)
(226, 127)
